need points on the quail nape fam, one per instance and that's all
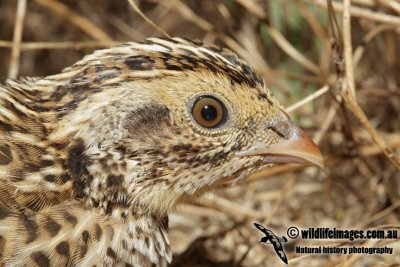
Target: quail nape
(93, 159)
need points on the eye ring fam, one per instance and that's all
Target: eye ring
(209, 112)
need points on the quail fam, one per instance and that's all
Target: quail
(93, 159)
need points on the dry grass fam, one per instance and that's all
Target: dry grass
(354, 116)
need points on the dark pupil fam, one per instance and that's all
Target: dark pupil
(209, 113)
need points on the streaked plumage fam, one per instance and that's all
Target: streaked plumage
(93, 159)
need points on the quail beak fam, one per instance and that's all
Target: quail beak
(294, 147)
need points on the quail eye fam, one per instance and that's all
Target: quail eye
(208, 112)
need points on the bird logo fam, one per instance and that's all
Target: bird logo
(275, 240)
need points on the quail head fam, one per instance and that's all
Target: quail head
(93, 159)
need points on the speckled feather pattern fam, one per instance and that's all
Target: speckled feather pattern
(93, 159)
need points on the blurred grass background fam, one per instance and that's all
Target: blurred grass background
(289, 43)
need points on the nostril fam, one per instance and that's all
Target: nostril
(276, 131)
(283, 126)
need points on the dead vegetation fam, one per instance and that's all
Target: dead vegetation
(336, 68)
